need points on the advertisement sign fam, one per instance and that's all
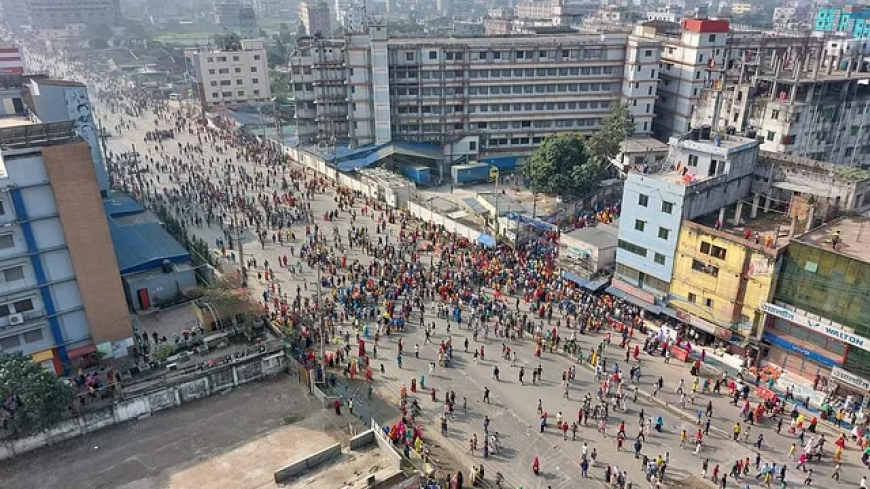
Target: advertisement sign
(849, 378)
(680, 354)
(631, 290)
(830, 331)
(789, 346)
(704, 325)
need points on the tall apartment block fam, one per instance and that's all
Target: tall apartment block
(56, 14)
(60, 290)
(690, 54)
(478, 95)
(854, 21)
(316, 18)
(800, 96)
(231, 77)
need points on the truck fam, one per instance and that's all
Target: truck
(471, 173)
(418, 174)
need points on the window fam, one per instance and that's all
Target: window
(13, 274)
(226, 94)
(33, 336)
(708, 302)
(2, 208)
(238, 70)
(253, 69)
(239, 82)
(692, 298)
(214, 83)
(771, 135)
(10, 342)
(718, 252)
(774, 114)
(23, 305)
(409, 56)
(240, 93)
(643, 200)
(6, 241)
(210, 60)
(664, 233)
(225, 83)
(647, 53)
(854, 131)
(712, 38)
(211, 72)
(702, 267)
(224, 71)
(433, 54)
(705, 247)
(472, 146)
(214, 95)
(255, 81)
(256, 57)
(639, 225)
(256, 92)
(693, 161)
(632, 248)
(667, 207)
(659, 258)
(496, 55)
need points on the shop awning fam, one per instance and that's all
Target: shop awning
(82, 351)
(593, 285)
(486, 240)
(634, 300)
(42, 356)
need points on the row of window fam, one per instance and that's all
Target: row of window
(643, 201)
(526, 107)
(226, 71)
(504, 90)
(15, 341)
(223, 59)
(226, 83)
(239, 93)
(546, 124)
(693, 298)
(563, 54)
(505, 73)
(640, 225)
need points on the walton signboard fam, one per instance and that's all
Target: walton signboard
(831, 331)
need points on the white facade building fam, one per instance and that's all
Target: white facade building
(229, 78)
(486, 95)
(699, 176)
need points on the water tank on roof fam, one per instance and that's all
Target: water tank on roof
(695, 134)
(751, 133)
(166, 266)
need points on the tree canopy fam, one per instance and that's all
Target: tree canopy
(32, 399)
(562, 166)
(605, 143)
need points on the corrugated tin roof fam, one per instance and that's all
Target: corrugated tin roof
(140, 246)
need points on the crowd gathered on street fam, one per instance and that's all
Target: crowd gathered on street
(383, 291)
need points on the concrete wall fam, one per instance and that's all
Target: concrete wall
(145, 404)
(419, 211)
(310, 462)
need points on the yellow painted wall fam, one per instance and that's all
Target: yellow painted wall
(724, 289)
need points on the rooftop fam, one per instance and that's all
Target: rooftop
(13, 121)
(141, 244)
(642, 145)
(774, 223)
(599, 236)
(851, 234)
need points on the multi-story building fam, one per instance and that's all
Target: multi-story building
(690, 55)
(724, 271)
(316, 18)
(741, 8)
(61, 296)
(226, 14)
(852, 20)
(56, 14)
(353, 17)
(700, 176)
(801, 96)
(818, 323)
(15, 14)
(228, 78)
(487, 95)
(248, 28)
(11, 61)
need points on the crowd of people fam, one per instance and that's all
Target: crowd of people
(378, 278)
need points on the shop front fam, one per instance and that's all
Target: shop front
(701, 331)
(806, 346)
(49, 360)
(849, 384)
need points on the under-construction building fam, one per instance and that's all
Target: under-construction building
(801, 96)
(472, 95)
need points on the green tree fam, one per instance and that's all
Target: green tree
(604, 145)
(32, 398)
(228, 41)
(561, 166)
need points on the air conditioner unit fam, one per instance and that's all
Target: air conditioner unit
(16, 319)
